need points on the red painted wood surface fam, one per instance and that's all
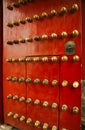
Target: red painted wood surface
(1, 48)
(70, 71)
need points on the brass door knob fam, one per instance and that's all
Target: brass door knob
(75, 33)
(64, 34)
(45, 82)
(29, 100)
(36, 81)
(53, 12)
(44, 15)
(54, 105)
(54, 127)
(64, 107)
(9, 96)
(29, 121)
(45, 104)
(76, 58)
(22, 99)
(74, 8)
(10, 114)
(21, 79)
(37, 102)
(28, 80)
(37, 123)
(22, 118)
(63, 10)
(16, 116)
(75, 84)
(64, 83)
(15, 97)
(54, 82)
(75, 110)
(45, 126)
(64, 58)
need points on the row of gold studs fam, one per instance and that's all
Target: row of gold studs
(45, 104)
(54, 59)
(30, 122)
(30, 101)
(64, 83)
(44, 37)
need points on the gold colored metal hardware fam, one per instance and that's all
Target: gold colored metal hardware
(54, 58)
(9, 96)
(9, 59)
(36, 81)
(64, 34)
(22, 21)
(21, 59)
(9, 42)
(54, 35)
(22, 118)
(45, 104)
(15, 116)
(54, 105)
(75, 33)
(75, 84)
(16, 5)
(10, 114)
(15, 79)
(37, 123)
(29, 100)
(9, 7)
(53, 12)
(28, 59)
(45, 82)
(28, 19)
(37, 102)
(44, 15)
(36, 17)
(29, 121)
(45, 59)
(54, 127)
(45, 126)
(22, 2)
(15, 97)
(16, 23)
(22, 99)
(16, 41)
(44, 37)
(22, 40)
(36, 59)
(10, 25)
(74, 8)
(54, 82)
(76, 58)
(28, 39)
(64, 107)
(28, 80)
(75, 110)
(63, 10)
(21, 79)
(9, 78)
(15, 60)
(64, 58)
(64, 83)
(37, 38)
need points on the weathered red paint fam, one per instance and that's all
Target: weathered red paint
(70, 71)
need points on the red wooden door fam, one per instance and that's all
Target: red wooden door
(42, 64)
